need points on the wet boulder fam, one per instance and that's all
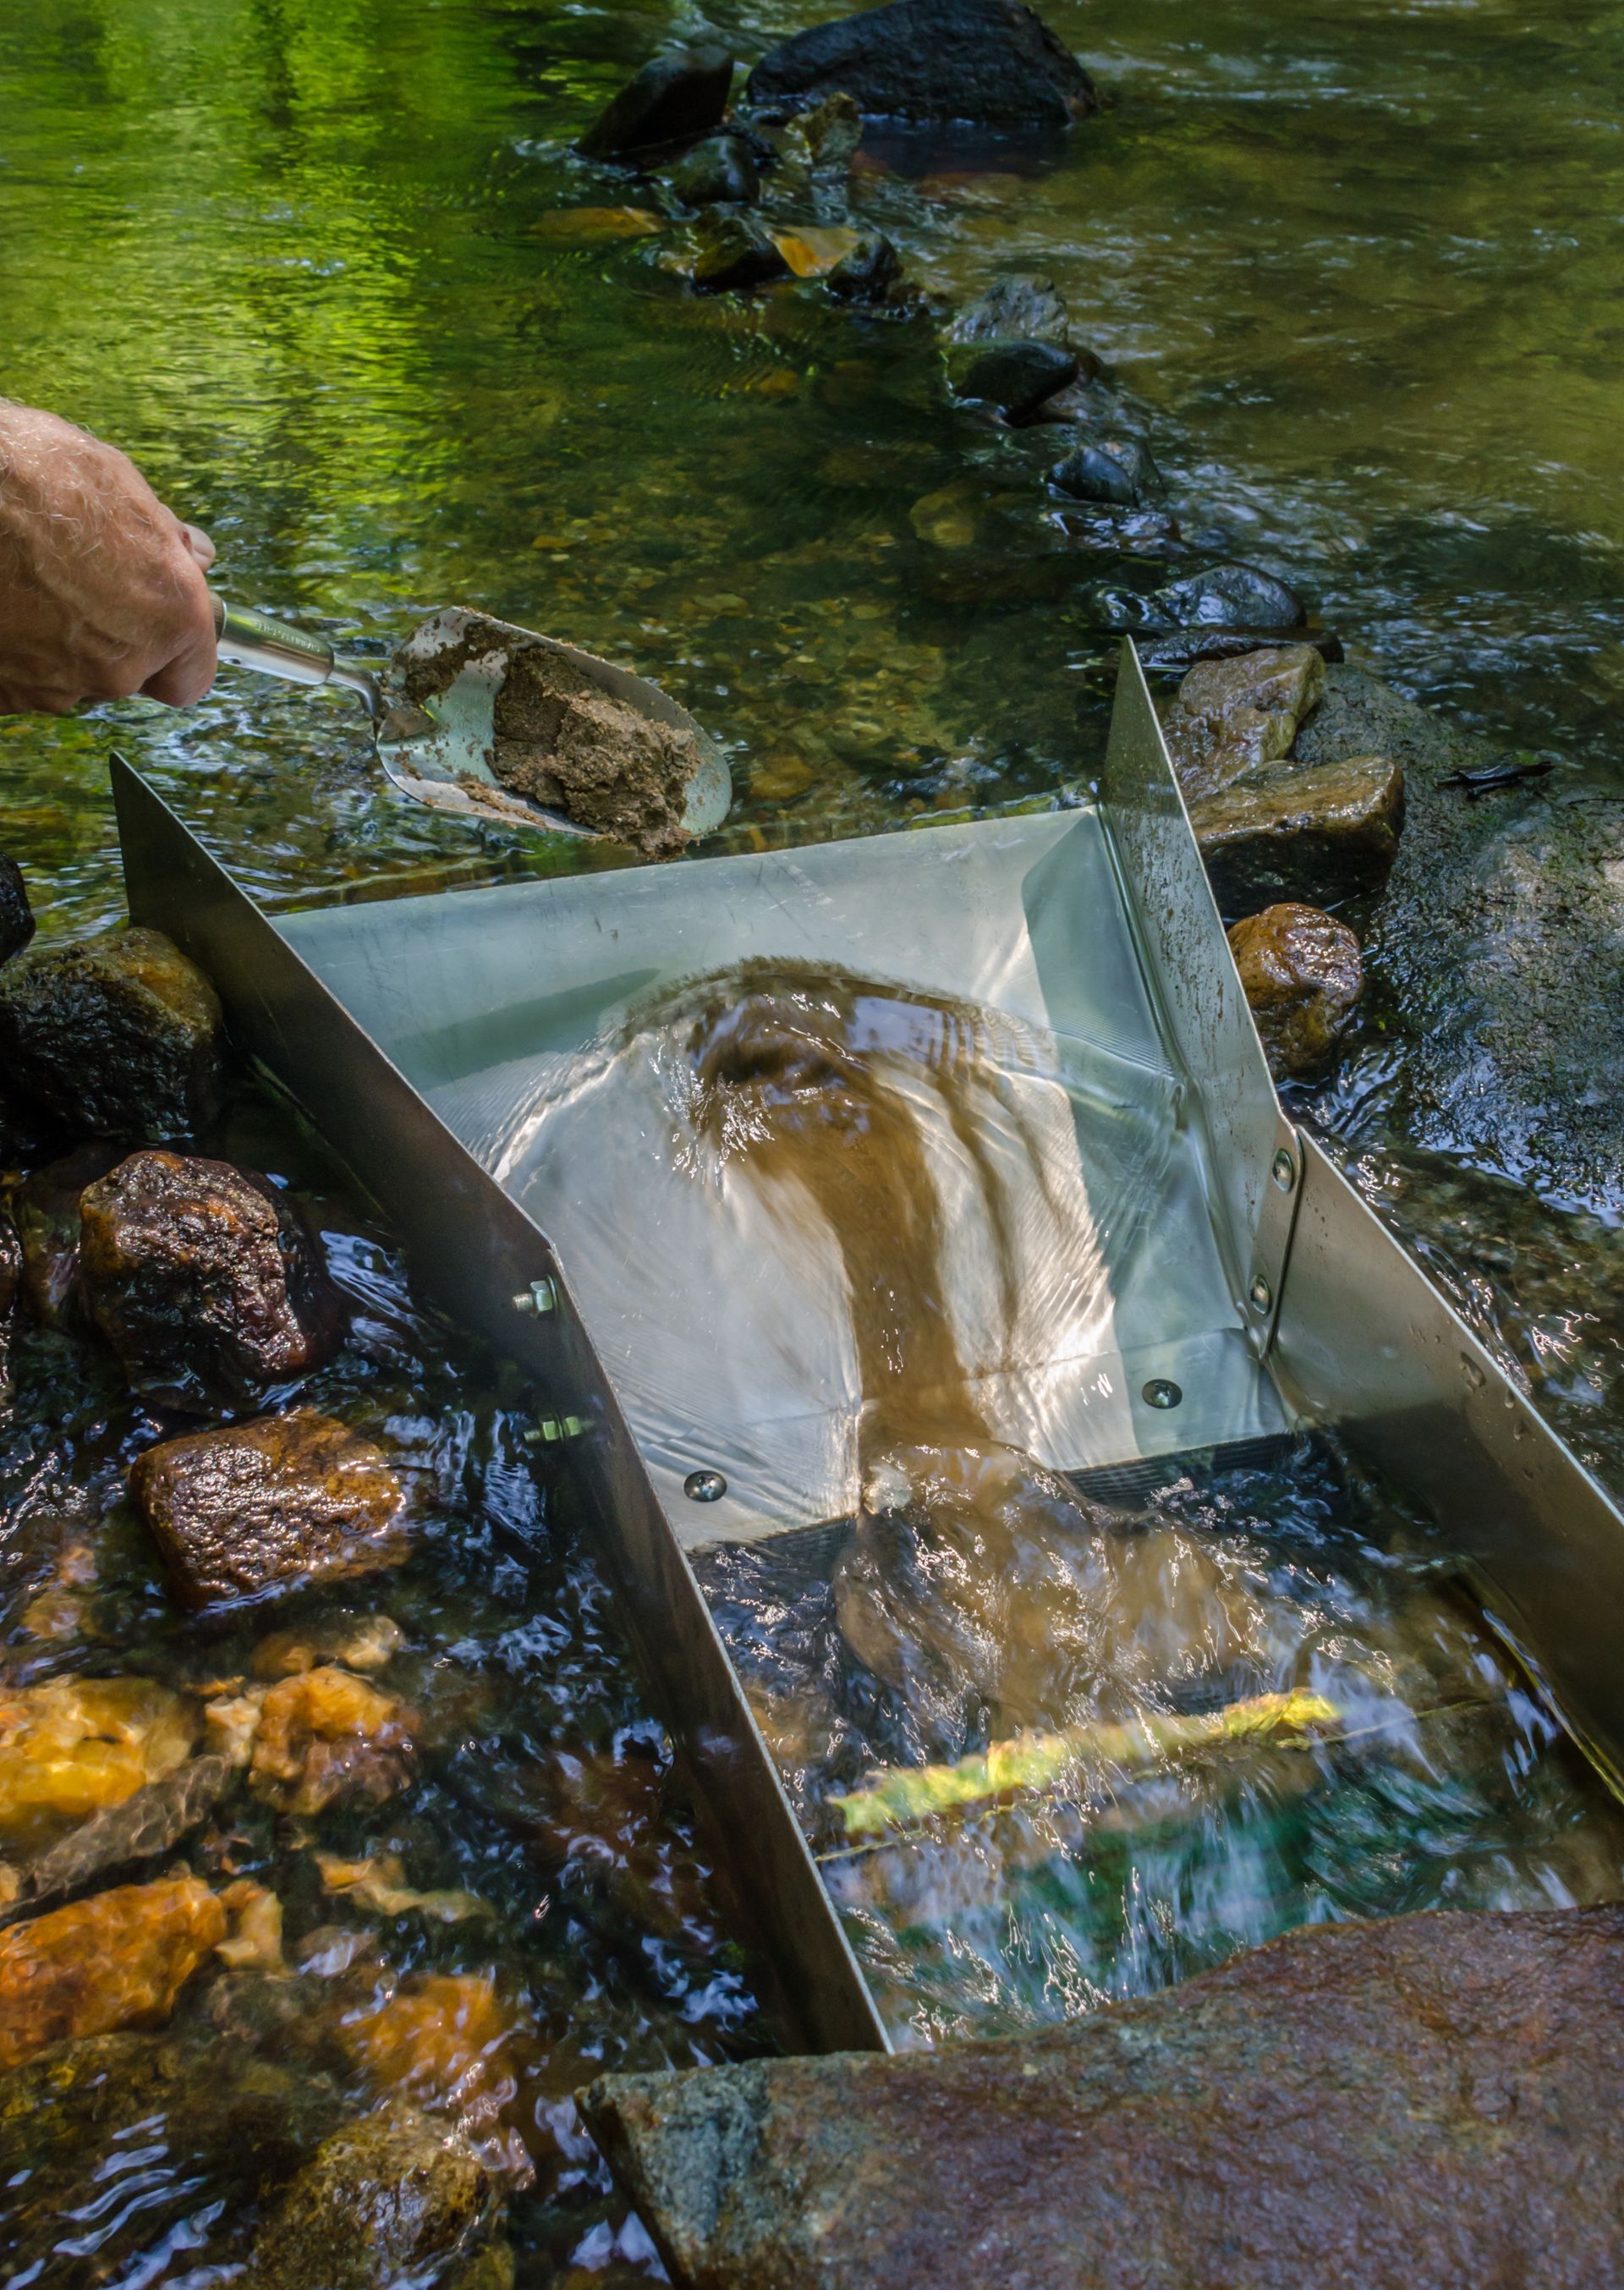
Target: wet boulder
(1117, 472)
(676, 97)
(16, 915)
(988, 63)
(1436, 2099)
(1015, 309)
(119, 1036)
(389, 2197)
(45, 1212)
(269, 1507)
(326, 1737)
(1303, 978)
(870, 275)
(719, 172)
(117, 1960)
(1301, 831)
(150, 1821)
(204, 1279)
(1017, 376)
(1227, 597)
(1232, 716)
(733, 254)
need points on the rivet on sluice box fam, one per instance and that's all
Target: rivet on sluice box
(540, 1296)
(1161, 1391)
(1261, 1295)
(704, 1486)
(1283, 1169)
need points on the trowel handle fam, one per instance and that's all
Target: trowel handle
(249, 639)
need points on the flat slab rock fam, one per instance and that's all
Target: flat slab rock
(268, 1506)
(1437, 2100)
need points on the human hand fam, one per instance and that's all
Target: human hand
(101, 588)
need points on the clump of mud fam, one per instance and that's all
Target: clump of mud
(563, 741)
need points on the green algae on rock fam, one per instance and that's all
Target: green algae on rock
(1438, 2099)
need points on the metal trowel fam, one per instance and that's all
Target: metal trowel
(440, 752)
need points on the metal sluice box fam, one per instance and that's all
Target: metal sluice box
(1174, 1233)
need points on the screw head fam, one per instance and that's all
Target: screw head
(1261, 1295)
(704, 1486)
(540, 1296)
(1283, 1169)
(1162, 1391)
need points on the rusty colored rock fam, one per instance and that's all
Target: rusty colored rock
(117, 1960)
(452, 2043)
(269, 1507)
(326, 1738)
(1303, 978)
(203, 1280)
(120, 1036)
(389, 2198)
(1233, 717)
(1309, 831)
(1438, 2099)
(77, 1746)
(151, 1822)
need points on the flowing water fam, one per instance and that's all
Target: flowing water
(321, 269)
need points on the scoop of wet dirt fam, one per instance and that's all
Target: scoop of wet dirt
(563, 741)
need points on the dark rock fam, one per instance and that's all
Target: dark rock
(16, 915)
(1115, 471)
(1229, 596)
(1303, 978)
(1015, 309)
(675, 98)
(269, 1507)
(1437, 2100)
(733, 254)
(1177, 650)
(871, 273)
(720, 173)
(203, 1280)
(993, 63)
(1232, 716)
(45, 1210)
(389, 2196)
(1016, 377)
(829, 135)
(152, 1821)
(1301, 831)
(1498, 956)
(119, 1035)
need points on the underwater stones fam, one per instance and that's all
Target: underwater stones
(990, 63)
(1017, 376)
(452, 2043)
(390, 2195)
(74, 1746)
(1232, 716)
(152, 1820)
(1303, 978)
(1229, 596)
(675, 98)
(119, 1035)
(828, 134)
(45, 1210)
(1296, 830)
(324, 1737)
(16, 915)
(719, 172)
(203, 1280)
(268, 1506)
(871, 273)
(117, 1960)
(1116, 471)
(731, 254)
(1434, 2099)
(1014, 309)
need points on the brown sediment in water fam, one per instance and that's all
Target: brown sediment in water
(563, 741)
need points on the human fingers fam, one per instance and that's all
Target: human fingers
(198, 543)
(37, 699)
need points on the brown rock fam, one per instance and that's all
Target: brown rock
(1438, 2099)
(382, 2200)
(327, 1738)
(1233, 715)
(118, 1960)
(1301, 831)
(45, 1210)
(450, 2042)
(120, 1036)
(76, 1746)
(1303, 977)
(203, 1280)
(268, 1506)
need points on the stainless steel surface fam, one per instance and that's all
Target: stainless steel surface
(513, 1010)
(476, 1251)
(1192, 982)
(441, 754)
(1366, 1342)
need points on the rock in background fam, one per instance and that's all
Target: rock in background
(989, 63)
